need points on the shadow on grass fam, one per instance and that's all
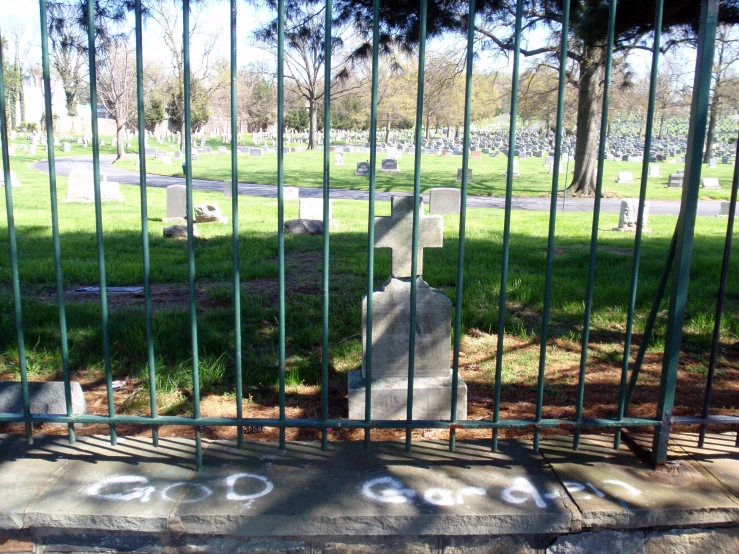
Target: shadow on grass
(259, 314)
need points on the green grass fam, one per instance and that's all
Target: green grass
(258, 243)
(305, 169)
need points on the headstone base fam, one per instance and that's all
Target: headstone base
(432, 397)
(178, 232)
(303, 227)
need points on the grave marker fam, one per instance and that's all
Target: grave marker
(390, 165)
(363, 169)
(176, 203)
(432, 386)
(469, 175)
(445, 200)
(625, 177)
(628, 217)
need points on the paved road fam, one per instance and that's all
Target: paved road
(127, 177)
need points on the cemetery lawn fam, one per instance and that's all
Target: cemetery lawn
(305, 169)
(258, 269)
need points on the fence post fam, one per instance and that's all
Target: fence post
(686, 227)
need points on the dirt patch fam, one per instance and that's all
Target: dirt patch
(303, 272)
(303, 276)
(163, 296)
(477, 359)
(615, 250)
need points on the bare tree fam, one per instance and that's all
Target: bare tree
(117, 86)
(21, 47)
(167, 16)
(724, 78)
(68, 45)
(305, 56)
(672, 95)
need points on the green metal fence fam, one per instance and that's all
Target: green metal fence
(676, 268)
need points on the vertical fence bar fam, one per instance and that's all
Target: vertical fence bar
(371, 222)
(686, 226)
(145, 220)
(20, 339)
(552, 216)
(654, 76)
(462, 220)
(507, 220)
(190, 232)
(416, 217)
(280, 205)
(326, 220)
(99, 214)
(596, 220)
(721, 297)
(651, 319)
(235, 229)
(48, 116)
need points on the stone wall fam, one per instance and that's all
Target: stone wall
(656, 541)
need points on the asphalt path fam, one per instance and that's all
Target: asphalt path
(127, 177)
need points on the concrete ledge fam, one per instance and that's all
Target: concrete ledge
(137, 498)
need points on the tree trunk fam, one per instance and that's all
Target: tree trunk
(387, 130)
(71, 100)
(428, 125)
(588, 121)
(22, 98)
(313, 129)
(711, 128)
(119, 142)
(182, 133)
(661, 126)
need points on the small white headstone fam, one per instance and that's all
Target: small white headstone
(629, 215)
(176, 202)
(653, 171)
(724, 210)
(290, 193)
(625, 177)
(339, 158)
(445, 200)
(14, 182)
(312, 208)
(227, 189)
(81, 186)
(711, 183)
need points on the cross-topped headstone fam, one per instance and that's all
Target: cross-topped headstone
(396, 232)
(391, 330)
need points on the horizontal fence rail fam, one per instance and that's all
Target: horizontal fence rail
(676, 271)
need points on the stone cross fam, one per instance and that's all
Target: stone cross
(396, 232)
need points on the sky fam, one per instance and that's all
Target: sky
(215, 19)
